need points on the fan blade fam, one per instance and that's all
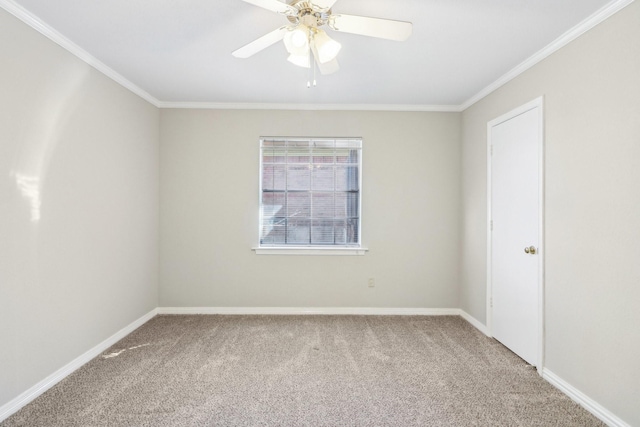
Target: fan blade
(275, 6)
(261, 43)
(324, 4)
(373, 27)
(329, 67)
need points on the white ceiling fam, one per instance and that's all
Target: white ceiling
(180, 50)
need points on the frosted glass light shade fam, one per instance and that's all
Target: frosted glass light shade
(297, 40)
(303, 61)
(327, 47)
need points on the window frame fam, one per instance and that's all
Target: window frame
(293, 249)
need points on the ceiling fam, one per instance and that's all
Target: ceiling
(180, 50)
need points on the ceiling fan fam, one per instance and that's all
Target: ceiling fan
(305, 39)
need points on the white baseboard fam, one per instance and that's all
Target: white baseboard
(371, 311)
(474, 322)
(576, 395)
(365, 311)
(583, 400)
(29, 395)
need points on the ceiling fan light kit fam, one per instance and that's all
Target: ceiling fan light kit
(305, 40)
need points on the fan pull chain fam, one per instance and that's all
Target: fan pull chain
(314, 70)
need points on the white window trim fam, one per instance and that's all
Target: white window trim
(308, 250)
(315, 250)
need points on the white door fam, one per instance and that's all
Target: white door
(515, 208)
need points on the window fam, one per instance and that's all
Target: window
(310, 192)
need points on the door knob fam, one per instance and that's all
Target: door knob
(530, 250)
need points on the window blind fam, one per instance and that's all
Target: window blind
(310, 192)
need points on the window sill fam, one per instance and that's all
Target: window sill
(305, 250)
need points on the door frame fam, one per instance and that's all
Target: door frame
(536, 103)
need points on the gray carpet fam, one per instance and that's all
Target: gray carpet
(304, 371)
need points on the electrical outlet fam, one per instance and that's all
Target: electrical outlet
(372, 282)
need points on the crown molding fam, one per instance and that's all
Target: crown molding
(310, 107)
(49, 32)
(37, 24)
(595, 19)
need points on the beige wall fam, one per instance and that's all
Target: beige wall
(79, 204)
(592, 110)
(78, 207)
(209, 212)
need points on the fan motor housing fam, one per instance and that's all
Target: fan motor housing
(309, 14)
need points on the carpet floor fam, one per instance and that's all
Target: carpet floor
(304, 371)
